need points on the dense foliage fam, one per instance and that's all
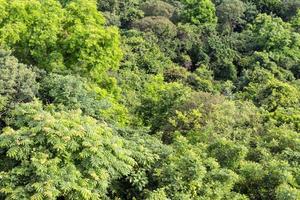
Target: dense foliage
(150, 99)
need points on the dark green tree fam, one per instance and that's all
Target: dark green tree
(18, 82)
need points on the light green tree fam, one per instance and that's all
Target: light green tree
(58, 38)
(50, 154)
(199, 12)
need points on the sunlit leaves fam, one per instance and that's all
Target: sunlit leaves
(61, 154)
(55, 38)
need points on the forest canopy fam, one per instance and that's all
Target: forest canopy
(150, 99)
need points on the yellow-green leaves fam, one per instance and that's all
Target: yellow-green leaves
(60, 154)
(199, 12)
(56, 38)
(90, 47)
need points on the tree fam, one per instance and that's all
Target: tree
(199, 12)
(286, 9)
(73, 93)
(17, 82)
(265, 90)
(222, 57)
(140, 52)
(157, 101)
(196, 176)
(230, 13)
(55, 38)
(204, 117)
(126, 10)
(289, 9)
(268, 179)
(296, 21)
(228, 154)
(86, 35)
(268, 6)
(161, 26)
(277, 94)
(59, 155)
(148, 152)
(201, 79)
(31, 29)
(158, 8)
(274, 43)
(270, 33)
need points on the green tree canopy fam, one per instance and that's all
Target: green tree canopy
(199, 12)
(59, 154)
(58, 38)
(18, 82)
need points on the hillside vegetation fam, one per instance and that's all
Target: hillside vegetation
(149, 99)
